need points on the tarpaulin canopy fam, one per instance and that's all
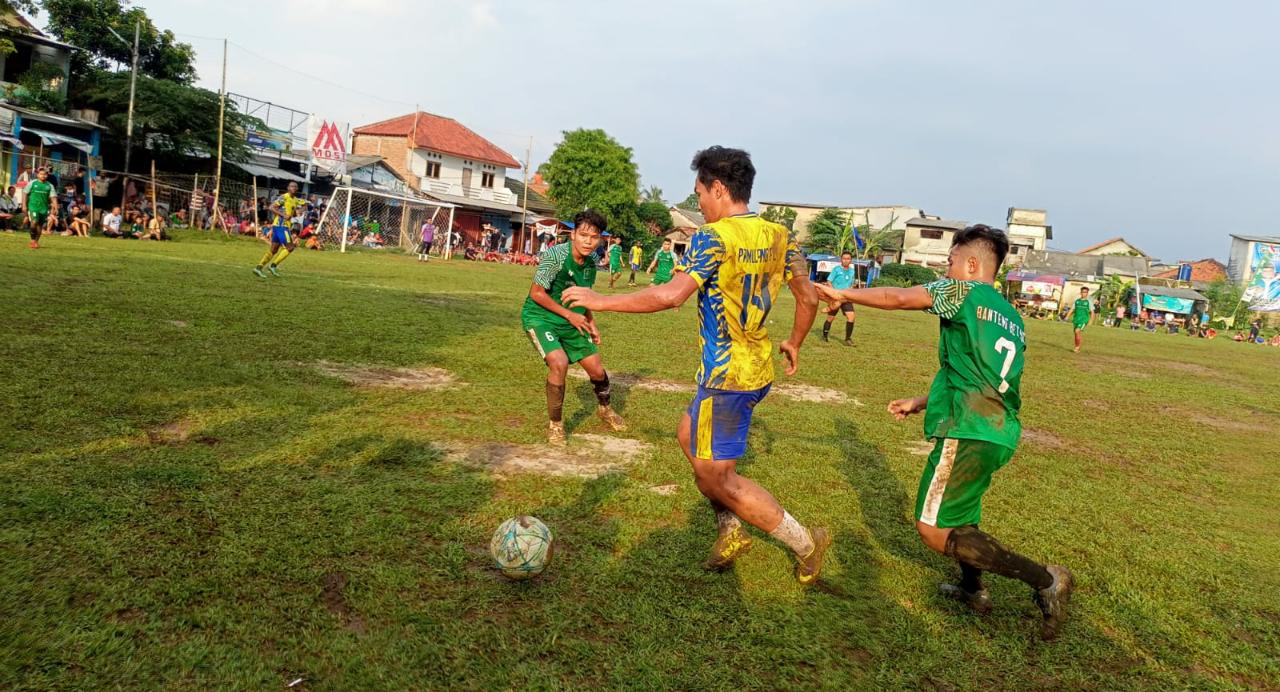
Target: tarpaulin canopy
(17, 143)
(266, 172)
(1035, 276)
(53, 138)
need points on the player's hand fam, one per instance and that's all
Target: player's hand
(579, 322)
(593, 331)
(827, 293)
(580, 297)
(791, 353)
(901, 408)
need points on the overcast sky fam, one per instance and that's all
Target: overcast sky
(1119, 118)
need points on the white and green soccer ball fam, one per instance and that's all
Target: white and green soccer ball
(521, 547)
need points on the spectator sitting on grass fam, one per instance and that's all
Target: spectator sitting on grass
(111, 223)
(77, 218)
(135, 226)
(155, 229)
(9, 208)
(373, 240)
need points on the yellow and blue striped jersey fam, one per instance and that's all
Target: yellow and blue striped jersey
(292, 207)
(740, 263)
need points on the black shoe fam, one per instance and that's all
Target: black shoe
(978, 601)
(826, 337)
(1053, 601)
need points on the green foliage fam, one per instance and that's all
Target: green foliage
(785, 216)
(830, 232)
(185, 116)
(591, 169)
(39, 88)
(1116, 292)
(690, 203)
(1226, 302)
(655, 215)
(906, 274)
(85, 24)
(653, 193)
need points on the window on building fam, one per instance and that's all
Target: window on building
(433, 169)
(931, 234)
(486, 180)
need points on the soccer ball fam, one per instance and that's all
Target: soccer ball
(521, 547)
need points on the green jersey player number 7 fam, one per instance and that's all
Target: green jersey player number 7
(971, 415)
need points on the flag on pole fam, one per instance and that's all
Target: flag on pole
(857, 238)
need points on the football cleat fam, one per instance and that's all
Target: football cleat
(978, 601)
(808, 567)
(1053, 601)
(611, 418)
(727, 548)
(555, 433)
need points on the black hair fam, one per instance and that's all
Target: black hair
(992, 240)
(846, 252)
(592, 217)
(732, 167)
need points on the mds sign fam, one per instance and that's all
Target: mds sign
(328, 143)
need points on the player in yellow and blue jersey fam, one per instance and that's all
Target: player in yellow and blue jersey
(736, 264)
(286, 211)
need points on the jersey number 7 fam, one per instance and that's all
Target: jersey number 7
(1009, 350)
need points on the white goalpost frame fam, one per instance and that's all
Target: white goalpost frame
(400, 199)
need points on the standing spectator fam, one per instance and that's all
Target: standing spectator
(1204, 322)
(9, 209)
(428, 237)
(111, 223)
(1119, 315)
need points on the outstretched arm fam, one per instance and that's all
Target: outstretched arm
(806, 310)
(652, 299)
(914, 298)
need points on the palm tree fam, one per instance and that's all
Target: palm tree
(651, 194)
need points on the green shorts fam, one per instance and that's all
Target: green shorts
(659, 279)
(39, 218)
(956, 476)
(559, 337)
(1079, 326)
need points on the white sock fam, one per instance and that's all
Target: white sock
(727, 521)
(793, 535)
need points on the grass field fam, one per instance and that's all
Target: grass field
(186, 501)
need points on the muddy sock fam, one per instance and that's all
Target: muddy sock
(969, 546)
(848, 331)
(791, 534)
(726, 521)
(555, 402)
(602, 390)
(826, 327)
(970, 578)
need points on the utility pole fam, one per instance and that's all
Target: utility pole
(524, 216)
(222, 112)
(133, 89)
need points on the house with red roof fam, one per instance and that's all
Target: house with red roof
(1204, 271)
(445, 160)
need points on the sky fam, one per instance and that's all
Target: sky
(1155, 121)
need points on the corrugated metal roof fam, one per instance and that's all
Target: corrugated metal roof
(1185, 293)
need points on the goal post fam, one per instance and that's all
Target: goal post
(353, 213)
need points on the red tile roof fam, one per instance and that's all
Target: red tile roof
(1204, 270)
(441, 134)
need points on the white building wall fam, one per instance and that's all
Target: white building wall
(1024, 234)
(916, 249)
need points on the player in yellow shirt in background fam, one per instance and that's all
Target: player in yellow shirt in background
(286, 210)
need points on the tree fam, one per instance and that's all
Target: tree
(830, 232)
(905, 275)
(591, 169)
(1226, 303)
(86, 24)
(690, 203)
(184, 117)
(656, 217)
(653, 193)
(781, 215)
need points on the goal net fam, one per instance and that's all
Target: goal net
(353, 216)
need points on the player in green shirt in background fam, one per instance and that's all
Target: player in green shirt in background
(564, 336)
(971, 414)
(1081, 316)
(40, 203)
(665, 262)
(615, 259)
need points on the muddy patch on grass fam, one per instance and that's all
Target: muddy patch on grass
(586, 456)
(1095, 405)
(669, 489)
(808, 392)
(920, 448)
(1043, 438)
(395, 378)
(632, 381)
(179, 432)
(1241, 424)
(1113, 366)
(179, 323)
(333, 596)
(1178, 366)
